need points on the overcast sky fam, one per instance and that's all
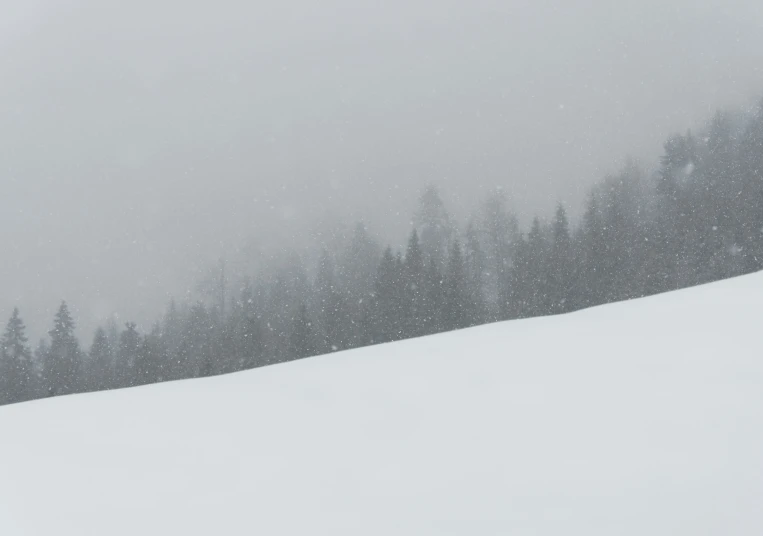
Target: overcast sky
(139, 139)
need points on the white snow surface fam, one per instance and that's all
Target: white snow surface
(638, 418)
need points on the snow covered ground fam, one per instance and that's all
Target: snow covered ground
(639, 418)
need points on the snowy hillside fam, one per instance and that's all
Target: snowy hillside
(639, 418)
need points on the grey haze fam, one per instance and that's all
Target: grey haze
(141, 140)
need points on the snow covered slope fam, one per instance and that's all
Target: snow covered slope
(640, 418)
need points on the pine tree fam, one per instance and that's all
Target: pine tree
(435, 300)
(247, 330)
(63, 369)
(357, 270)
(751, 196)
(717, 203)
(537, 292)
(475, 268)
(302, 337)
(16, 367)
(626, 239)
(6, 383)
(151, 359)
(434, 226)
(677, 165)
(40, 363)
(594, 250)
(200, 332)
(101, 363)
(560, 263)
(279, 313)
(414, 295)
(387, 308)
(501, 242)
(359, 264)
(455, 311)
(561, 228)
(330, 305)
(129, 343)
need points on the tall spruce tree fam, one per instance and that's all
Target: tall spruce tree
(475, 267)
(101, 362)
(456, 308)
(129, 343)
(359, 263)
(537, 291)
(330, 306)
(247, 331)
(151, 359)
(593, 256)
(387, 321)
(560, 269)
(750, 234)
(501, 242)
(435, 299)
(434, 226)
(414, 289)
(16, 367)
(63, 369)
(302, 336)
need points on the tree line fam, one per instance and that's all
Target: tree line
(697, 218)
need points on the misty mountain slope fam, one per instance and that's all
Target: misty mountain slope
(141, 141)
(634, 418)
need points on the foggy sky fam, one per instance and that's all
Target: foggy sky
(140, 140)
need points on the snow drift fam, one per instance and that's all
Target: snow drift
(638, 418)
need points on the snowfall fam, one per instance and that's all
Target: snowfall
(638, 418)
